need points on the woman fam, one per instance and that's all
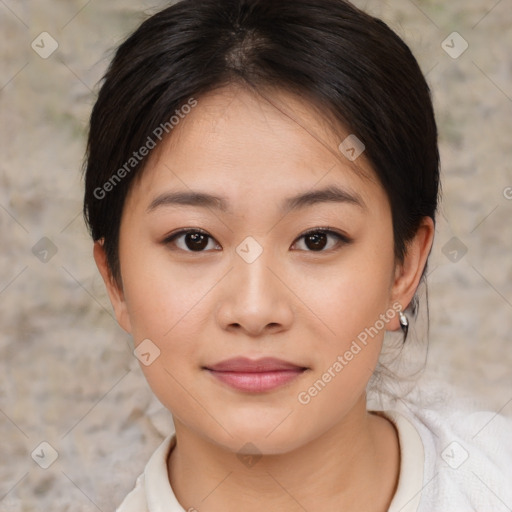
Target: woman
(261, 185)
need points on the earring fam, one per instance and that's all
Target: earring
(404, 323)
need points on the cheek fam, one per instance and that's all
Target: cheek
(160, 295)
(168, 304)
(352, 302)
(164, 309)
(349, 296)
(351, 307)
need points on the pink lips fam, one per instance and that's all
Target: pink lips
(255, 376)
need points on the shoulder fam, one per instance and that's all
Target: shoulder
(468, 456)
(153, 486)
(135, 501)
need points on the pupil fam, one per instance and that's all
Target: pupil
(318, 240)
(198, 241)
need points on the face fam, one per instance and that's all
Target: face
(311, 282)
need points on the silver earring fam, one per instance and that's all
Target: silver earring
(404, 323)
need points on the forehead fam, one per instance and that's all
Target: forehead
(242, 142)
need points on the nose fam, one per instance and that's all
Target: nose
(254, 298)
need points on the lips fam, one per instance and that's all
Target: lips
(243, 364)
(255, 376)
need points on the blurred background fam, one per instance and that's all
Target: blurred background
(68, 378)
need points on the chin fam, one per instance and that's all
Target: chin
(262, 439)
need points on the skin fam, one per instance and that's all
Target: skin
(292, 302)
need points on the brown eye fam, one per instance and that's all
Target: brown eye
(196, 241)
(319, 239)
(190, 240)
(316, 241)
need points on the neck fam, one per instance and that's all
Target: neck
(353, 466)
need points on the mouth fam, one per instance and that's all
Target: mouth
(255, 376)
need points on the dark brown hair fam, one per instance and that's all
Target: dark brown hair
(350, 64)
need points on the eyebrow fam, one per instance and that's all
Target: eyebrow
(330, 194)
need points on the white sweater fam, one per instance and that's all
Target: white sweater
(450, 462)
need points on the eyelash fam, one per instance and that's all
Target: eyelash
(342, 239)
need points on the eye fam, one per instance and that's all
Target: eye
(317, 240)
(192, 240)
(197, 240)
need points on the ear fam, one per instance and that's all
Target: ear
(114, 291)
(408, 273)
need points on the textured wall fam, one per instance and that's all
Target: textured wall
(67, 374)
